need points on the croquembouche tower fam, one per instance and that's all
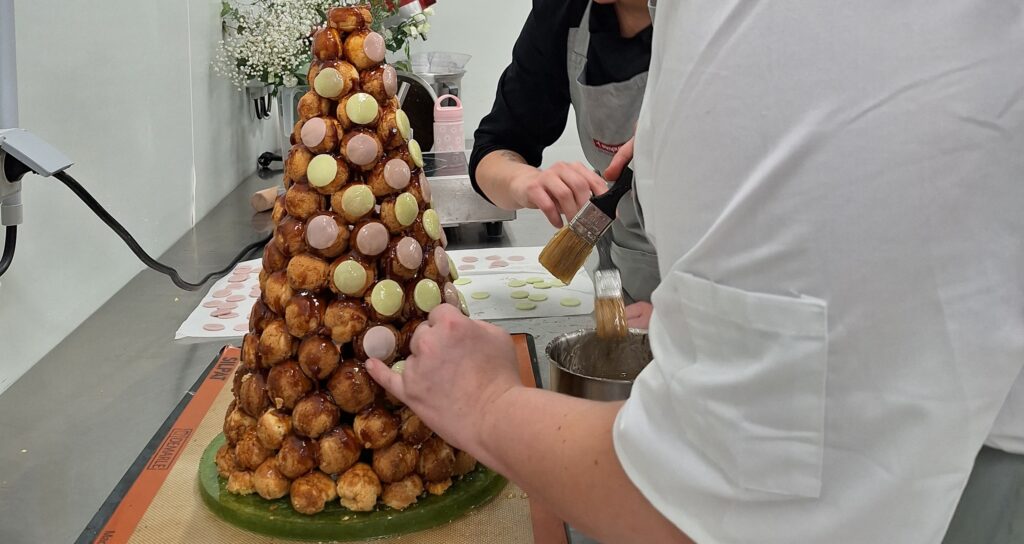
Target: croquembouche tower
(356, 262)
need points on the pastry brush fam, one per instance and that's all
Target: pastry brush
(609, 308)
(568, 250)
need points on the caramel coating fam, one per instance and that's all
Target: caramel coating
(464, 463)
(405, 336)
(327, 44)
(252, 395)
(269, 482)
(276, 344)
(296, 135)
(402, 494)
(250, 453)
(372, 81)
(296, 457)
(272, 427)
(274, 258)
(437, 460)
(286, 384)
(226, 462)
(310, 105)
(376, 428)
(278, 214)
(277, 291)
(395, 461)
(438, 488)
(349, 19)
(307, 272)
(359, 488)
(304, 315)
(339, 450)
(298, 160)
(387, 129)
(412, 428)
(390, 220)
(236, 424)
(345, 319)
(240, 483)
(314, 415)
(311, 492)
(318, 357)
(260, 316)
(340, 244)
(301, 201)
(290, 236)
(352, 387)
(250, 347)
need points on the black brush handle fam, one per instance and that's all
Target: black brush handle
(610, 200)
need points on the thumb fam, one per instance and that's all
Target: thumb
(390, 380)
(619, 161)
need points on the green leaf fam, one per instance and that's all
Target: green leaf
(225, 9)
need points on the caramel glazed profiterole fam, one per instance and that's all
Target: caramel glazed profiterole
(356, 263)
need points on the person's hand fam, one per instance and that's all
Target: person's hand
(457, 369)
(619, 161)
(560, 190)
(638, 315)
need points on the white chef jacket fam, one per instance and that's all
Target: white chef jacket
(836, 194)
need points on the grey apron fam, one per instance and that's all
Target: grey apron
(606, 118)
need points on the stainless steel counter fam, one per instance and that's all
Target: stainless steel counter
(72, 425)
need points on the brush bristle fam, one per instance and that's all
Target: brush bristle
(565, 254)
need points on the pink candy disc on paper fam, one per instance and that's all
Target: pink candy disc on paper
(213, 327)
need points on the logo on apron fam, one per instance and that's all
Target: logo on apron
(610, 149)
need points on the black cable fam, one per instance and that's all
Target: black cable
(121, 232)
(9, 242)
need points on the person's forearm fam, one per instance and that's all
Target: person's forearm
(495, 173)
(559, 449)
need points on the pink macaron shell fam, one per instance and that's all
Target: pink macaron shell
(372, 239)
(322, 232)
(451, 294)
(373, 46)
(390, 77)
(213, 327)
(313, 132)
(362, 149)
(397, 174)
(409, 253)
(425, 188)
(444, 239)
(222, 293)
(441, 261)
(235, 298)
(211, 304)
(242, 327)
(469, 259)
(229, 315)
(379, 343)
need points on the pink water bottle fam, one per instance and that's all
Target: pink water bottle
(448, 134)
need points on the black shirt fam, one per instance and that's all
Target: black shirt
(532, 101)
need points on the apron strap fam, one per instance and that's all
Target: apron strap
(582, 39)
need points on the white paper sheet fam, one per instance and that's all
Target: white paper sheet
(224, 311)
(490, 271)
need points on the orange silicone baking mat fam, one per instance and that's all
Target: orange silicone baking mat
(158, 500)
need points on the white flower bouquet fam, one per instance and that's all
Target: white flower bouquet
(267, 42)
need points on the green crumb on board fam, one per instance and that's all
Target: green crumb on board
(538, 297)
(525, 305)
(481, 295)
(519, 294)
(463, 281)
(516, 283)
(570, 302)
